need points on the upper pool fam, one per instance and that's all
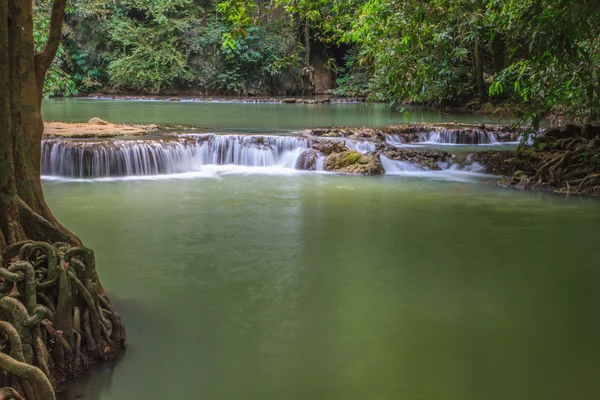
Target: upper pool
(248, 117)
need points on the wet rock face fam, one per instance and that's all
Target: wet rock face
(428, 158)
(355, 163)
(572, 131)
(328, 147)
(496, 162)
(308, 160)
(415, 133)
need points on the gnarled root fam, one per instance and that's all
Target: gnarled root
(569, 168)
(54, 315)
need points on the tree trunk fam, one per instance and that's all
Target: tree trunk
(498, 53)
(479, 71)
(24, 213)
(47, 281)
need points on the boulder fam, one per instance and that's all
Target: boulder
(308, 160)
(97, 121)
(572, 131)
(328, 147)
(427, 158)
(352, 162)
(496, 162)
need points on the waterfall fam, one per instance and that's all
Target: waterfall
(468, 171)
(112, 158)
(361, 146)
(458, 136)
(445, 136)
(394, 167)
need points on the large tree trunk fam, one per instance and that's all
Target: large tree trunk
(24, 213)
(52, 306)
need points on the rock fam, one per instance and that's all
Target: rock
(572, 131)
(308, 160)
(97, 121)
(288, 101)
(328, 147)
(428, 158)
(352, 162)
(496, 162)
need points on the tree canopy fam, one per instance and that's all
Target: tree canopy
(542, 56)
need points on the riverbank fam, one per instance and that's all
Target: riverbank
(191, 98)
(558, 160)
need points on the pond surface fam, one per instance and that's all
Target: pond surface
(246, 117)
(327, 287)
(269, 283)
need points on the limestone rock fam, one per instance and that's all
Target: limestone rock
(328, 147)
(308, 160)
(428, 158)
(352, 162)
(97, 121)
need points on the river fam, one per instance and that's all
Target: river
(254, 284)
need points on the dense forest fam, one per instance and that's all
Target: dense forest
(538, 56)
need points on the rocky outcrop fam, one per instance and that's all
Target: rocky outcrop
(427, 158)
(97, 121)
(355, 163)
(496, 162)
(328, 147)
(414, 133)
(308, 160)
(572, 131)
(86, 131)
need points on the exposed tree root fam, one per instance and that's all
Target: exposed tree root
(53, 321)
(569, 165)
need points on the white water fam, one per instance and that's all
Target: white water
(361, 146)
(450, 171)
(444, 136)
(458, 136)
(122, 158)
(207, 156)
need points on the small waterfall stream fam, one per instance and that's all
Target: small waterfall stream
(458, 136)
(80, 159)
(446, 136)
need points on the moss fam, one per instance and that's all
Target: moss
(353, 158)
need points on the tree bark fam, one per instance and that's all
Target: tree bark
(24, 213)
(479, 71)
(39, 270)
(498, 53)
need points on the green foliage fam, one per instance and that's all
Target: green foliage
(146, 43)
(58, 80)
(541, 54)
(555, 46)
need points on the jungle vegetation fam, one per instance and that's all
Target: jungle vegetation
(540, 56)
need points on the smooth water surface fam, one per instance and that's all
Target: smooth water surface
(247, 117)
(326, 287)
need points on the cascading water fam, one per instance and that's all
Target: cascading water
(446, 136)
(71, 159)
(449, 170)
(361, 146)
(458, 136)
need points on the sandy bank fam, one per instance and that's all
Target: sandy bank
(86, 130)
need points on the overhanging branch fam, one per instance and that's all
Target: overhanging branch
(44, 58)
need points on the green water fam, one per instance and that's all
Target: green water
(249, 118)
(325, 287)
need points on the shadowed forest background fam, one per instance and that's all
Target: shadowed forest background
(536, 57)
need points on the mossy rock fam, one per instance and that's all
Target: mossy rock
(352, 162)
